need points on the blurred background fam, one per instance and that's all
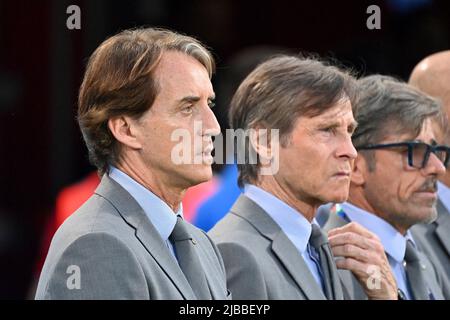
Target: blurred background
(44, 171)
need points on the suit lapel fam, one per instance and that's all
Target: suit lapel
(443, 226)
(146, 233)
(429, 274)
(294, 263)
(282, 247)
(150, 239)
(209, 264)
(215, 285)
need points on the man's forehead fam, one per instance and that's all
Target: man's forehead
(182, 74)
(430, 132)
(431, 129)
(341, 112)
(338, 114)
(174, 63)
(176, 60)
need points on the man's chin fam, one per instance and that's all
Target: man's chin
(200, 174)
(339, 198)
(429, 216)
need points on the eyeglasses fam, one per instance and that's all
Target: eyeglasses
(418, 152)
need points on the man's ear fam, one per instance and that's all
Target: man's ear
(122, 128)
(261, 142)
(360, 167)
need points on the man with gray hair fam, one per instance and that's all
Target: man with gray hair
(270, 242)
(393, 183)
(432, 76)
(129, 240)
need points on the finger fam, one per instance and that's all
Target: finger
(356, 240)
(349, 238)
(353, 227)
(357, 267)
(366, 256)
(351, 251)
(363, 270)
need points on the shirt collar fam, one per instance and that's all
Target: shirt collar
(444, 195)
(296, 227)
(393, 242)
(159, 213)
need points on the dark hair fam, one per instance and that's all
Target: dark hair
(279, 91)
(119, 81)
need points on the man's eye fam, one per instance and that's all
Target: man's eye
(329, 130)
(188, 109)
(211, 104)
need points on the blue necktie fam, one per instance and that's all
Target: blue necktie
(325, 263)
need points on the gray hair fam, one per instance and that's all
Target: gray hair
(388, 106)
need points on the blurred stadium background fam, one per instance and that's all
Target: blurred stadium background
(42, 64)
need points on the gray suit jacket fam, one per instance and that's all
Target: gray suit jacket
(434, 239)
(109, 249)
(260, 261)
(433, 277)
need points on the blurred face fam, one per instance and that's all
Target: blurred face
(316, 164)
(399, 193)
(183, 104)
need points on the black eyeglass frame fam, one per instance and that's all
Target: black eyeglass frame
(410, 144)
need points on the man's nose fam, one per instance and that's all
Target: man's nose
(434, 165)
(211, 126)
(346, 148)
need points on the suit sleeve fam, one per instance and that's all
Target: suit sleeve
(245, 278)
(96, 266)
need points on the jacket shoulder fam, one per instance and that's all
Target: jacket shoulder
(95, 265)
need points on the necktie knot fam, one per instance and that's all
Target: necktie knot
(318, 237)
(325, 264)
(411, 254)
(180, 231)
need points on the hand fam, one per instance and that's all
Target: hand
(361, 252)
